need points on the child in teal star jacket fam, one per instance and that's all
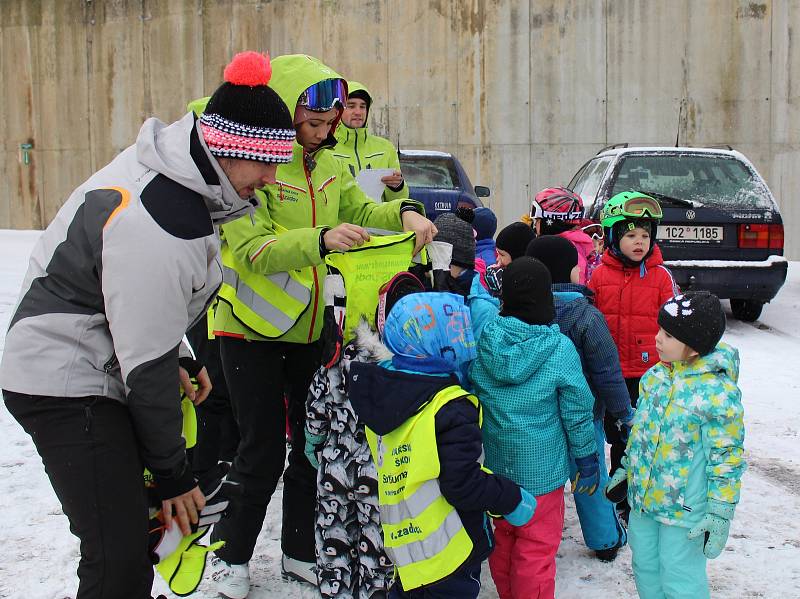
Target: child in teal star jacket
(685, 455)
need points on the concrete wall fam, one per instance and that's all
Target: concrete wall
(523, 91)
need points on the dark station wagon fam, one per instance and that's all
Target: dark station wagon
(722, 230)
(438, 180)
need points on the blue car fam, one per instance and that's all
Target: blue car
(438, 180)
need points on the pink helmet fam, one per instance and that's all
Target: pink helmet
(558, 204)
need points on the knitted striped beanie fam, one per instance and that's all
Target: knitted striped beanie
(245, 118)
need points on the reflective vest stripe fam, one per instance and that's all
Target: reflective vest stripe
(423, 532)
(430, 546)
(265, 310)
(424, 496)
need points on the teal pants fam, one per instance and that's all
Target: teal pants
(666, 565)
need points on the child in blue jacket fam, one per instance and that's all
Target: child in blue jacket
(538, 410)
(586, 327)
(685, 455)
(424, 434)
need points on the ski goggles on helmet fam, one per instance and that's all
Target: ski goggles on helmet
(640, 206)
(595, 231)
(324, 95)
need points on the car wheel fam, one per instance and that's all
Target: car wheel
(746, 310)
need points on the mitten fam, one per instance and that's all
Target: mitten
(524, 510)
(440, 254)
(617, 488)
(715, 525)
(588, 476)
(494, 280)
(312, 445)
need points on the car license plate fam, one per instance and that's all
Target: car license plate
(689, 233)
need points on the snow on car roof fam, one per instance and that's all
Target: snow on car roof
(425, 153)
(671, 149)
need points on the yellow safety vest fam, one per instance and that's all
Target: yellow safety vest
(365, 269)
(268, 304)
(423, 533)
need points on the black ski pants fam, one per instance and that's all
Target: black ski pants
(90, 453)
(615, 440)
(217, 434)
(258, 374)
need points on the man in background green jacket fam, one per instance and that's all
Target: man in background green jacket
(359, 149)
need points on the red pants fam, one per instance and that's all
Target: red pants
(523, 563)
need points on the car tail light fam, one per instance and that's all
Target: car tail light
(776, 237)
(761, 236)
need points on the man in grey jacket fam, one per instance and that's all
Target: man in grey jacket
(91, 365)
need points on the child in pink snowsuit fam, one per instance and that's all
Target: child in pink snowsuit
(559, 211)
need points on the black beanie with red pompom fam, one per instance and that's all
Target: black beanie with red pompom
(245, 118)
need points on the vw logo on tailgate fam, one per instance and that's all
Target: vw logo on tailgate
(690, 214)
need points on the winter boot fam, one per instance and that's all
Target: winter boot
(294, 569)
(232, 580)
(610, 554)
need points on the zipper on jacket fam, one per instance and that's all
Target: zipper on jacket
(314, 269)
(107, 368)
(358, 160)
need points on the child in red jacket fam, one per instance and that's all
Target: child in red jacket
(630, 286)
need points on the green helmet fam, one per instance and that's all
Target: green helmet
(630, 205)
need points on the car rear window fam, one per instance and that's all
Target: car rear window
(716, 181)
(429, 171)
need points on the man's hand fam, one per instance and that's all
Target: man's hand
(186, 508)
(424, 229)
(344, 237)
(393, 181)
(199, 395)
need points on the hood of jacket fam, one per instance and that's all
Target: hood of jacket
(724, 359)
(292, 74)
(512, 350)
(384, 399)
(163, 148)
(369, 344)
(355, 86)
(580, 240)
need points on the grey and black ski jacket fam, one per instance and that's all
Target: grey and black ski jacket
(128, 264)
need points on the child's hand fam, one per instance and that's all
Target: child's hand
(716, 531)
(588, 476)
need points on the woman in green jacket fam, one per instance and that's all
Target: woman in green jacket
(269, 316)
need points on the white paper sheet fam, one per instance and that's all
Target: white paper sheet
(369, 180)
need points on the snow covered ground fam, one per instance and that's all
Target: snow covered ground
(762, 558)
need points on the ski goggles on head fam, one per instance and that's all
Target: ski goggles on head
(641, 207)
(324, 96)
(595, 230)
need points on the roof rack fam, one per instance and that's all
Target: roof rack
(613, 147)
(720, 147)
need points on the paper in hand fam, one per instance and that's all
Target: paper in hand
(369, 180)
